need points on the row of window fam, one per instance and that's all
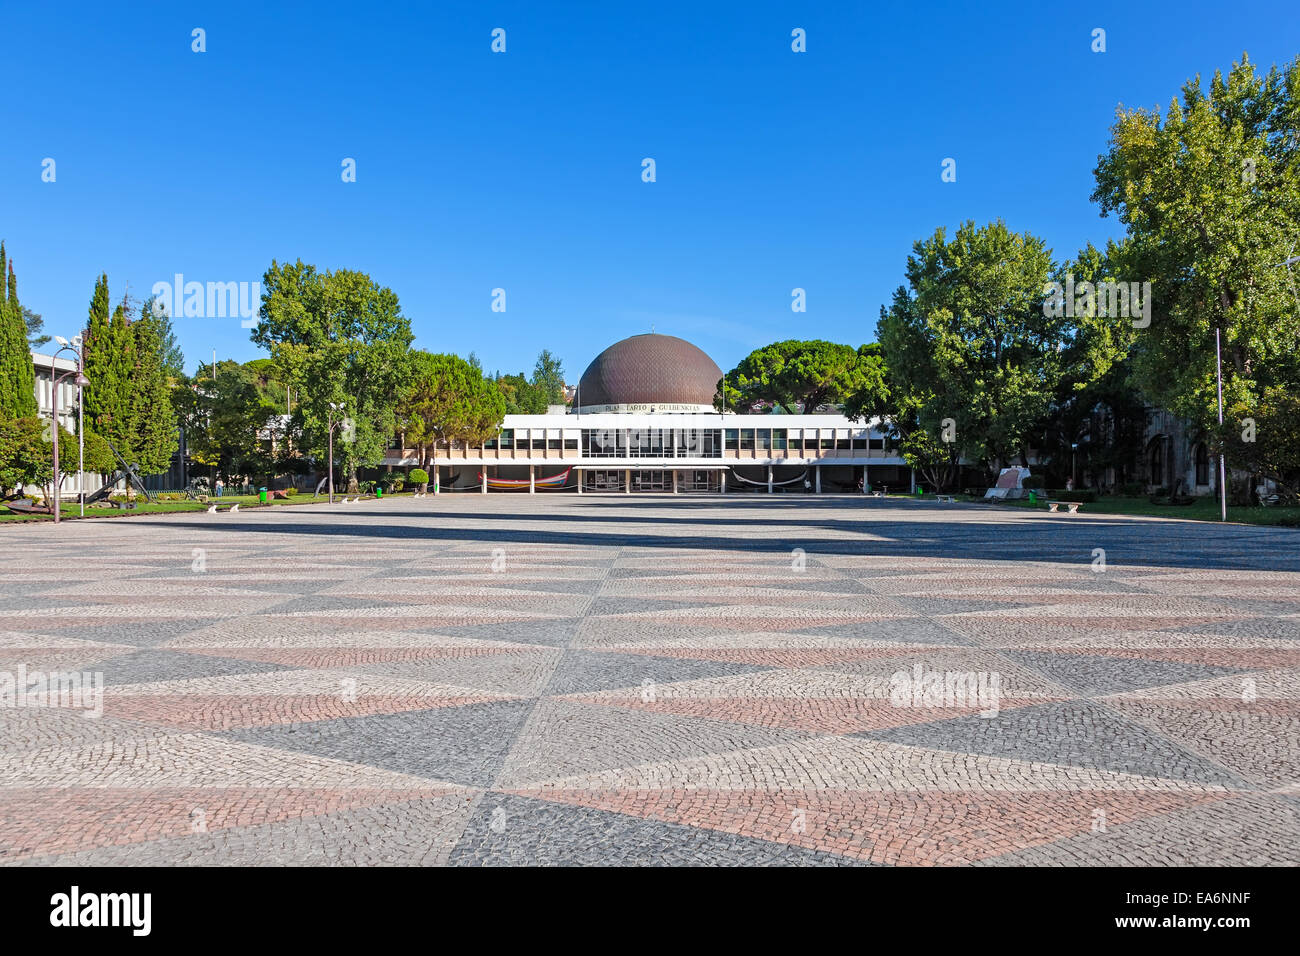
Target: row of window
(685, 442)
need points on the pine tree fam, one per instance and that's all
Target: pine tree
(17, 375)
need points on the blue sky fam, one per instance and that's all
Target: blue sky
(522, 170)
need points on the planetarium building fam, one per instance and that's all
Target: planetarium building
(643, 420)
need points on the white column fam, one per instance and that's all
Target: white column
(723, 485)
(532, 481)
(483, 483)
(818, 479)
(627, 481)
(769, 479)
(579, 471)
(674, 481)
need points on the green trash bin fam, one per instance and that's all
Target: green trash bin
(379, 491)
(261, 495)
(1033, 498)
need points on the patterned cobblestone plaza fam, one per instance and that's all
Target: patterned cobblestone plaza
(506, 679)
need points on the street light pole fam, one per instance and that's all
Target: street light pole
(1223, 470)
(81, 437)
(55, 382)
(333, 408)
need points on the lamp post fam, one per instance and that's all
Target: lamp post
(1223, 470)
(1074, 471)
(80, 381)
(334, 407)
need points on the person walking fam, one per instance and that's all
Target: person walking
(220, 487)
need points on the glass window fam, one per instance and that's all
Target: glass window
(571, 444)
(765, 439)
(778, 438)
(553, 444)
(747, 439)
(507, 438)
(877, 444)
(732, 438)
(539, 443)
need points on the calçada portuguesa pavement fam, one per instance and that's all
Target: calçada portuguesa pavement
(507, 679)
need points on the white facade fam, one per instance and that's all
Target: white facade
(659, 451)
(47, 369)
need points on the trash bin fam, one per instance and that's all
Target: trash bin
(1033, 498)
(261, 495)
(379, 491)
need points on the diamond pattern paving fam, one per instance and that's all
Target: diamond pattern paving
(516, 679)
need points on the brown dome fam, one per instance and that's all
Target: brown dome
(658, 371)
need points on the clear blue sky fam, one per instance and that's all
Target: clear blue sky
(523, 171)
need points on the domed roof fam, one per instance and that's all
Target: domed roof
(661, 372)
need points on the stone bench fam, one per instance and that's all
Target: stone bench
(1073, 506)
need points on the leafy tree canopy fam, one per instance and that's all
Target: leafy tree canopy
(803, 374)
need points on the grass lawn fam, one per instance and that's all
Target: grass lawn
(1203, 509)
(70, 509)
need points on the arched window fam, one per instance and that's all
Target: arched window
(1202, 464)
(1157, 459)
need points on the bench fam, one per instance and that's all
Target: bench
(1073, 506)
(948, 498)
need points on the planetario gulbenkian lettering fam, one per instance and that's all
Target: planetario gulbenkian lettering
(643, 420)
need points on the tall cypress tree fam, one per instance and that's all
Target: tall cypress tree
(153, 419)
(110, 364)
(17, 375)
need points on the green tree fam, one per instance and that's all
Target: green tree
(338, 338)
(548, 375)
(1210, 194)
(17, 374)
(109, 355)
(1263, 437)
(173, 359)
(521, 396)
(973, 357)
(152, 423)
(26, 455)
(36, 336)
(448, 400)
(1095, 404)
(225, 418)
(802, 374)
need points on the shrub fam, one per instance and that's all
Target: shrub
(1033, 481)
(290, 492)
(418, 476)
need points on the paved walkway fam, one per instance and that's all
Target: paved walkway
(650, 680)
